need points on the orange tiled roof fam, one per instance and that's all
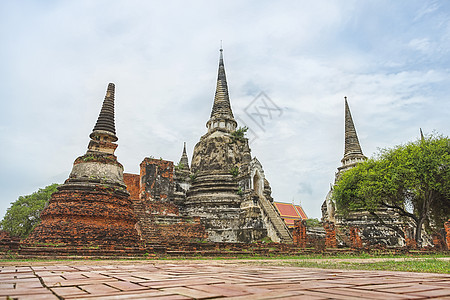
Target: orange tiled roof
(289, 222)
(301, 212)
(290, 212)
(286, 210)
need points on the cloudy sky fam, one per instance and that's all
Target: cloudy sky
(299, 58)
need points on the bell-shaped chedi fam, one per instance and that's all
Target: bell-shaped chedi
(92, 207)
(220, 191)
(222, 147)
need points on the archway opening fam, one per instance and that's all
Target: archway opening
(257, 184)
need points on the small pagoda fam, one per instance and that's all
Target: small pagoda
(92, 207)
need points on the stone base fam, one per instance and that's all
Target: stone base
(98, 216)
(371, 232)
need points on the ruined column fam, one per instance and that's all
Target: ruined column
(355, 238)
(330, 235)
(299, 234)
(410, 241)
(447, 233)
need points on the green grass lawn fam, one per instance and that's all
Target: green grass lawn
(426, 265)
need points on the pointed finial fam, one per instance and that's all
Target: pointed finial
(221, 106)
(352, 146)
(184, 158)
(422, 137)
(221, 45)
(105, 123)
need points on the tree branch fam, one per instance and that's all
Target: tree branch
(393, 227)
(401, 211)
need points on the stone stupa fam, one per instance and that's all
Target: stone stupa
(92, 207)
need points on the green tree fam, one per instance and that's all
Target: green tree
(313, 222)
(411, 179)
(24, 213)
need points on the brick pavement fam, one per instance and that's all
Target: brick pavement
(210, 280)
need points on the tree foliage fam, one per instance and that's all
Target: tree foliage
(239, 134)
(411, 179)
(24, 213)
(313, 222)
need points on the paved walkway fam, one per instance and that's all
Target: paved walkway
(209, 280)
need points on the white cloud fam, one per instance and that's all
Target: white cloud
(422, 45)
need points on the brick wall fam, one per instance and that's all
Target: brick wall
(8, 242)
(355, 238)
(447, 233)
(330, 235)
(299, 233)
(438, 238)
(132, 181)
(156, 179)
(185, 230)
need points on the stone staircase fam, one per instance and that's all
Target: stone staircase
(277, 223)
(148, 232)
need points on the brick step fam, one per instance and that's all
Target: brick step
(79, 251)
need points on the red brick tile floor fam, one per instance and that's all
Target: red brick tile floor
(210, 279)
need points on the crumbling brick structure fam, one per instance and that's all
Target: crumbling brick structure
(156, 179)
(132, 181)
(447, 233)
(92, 207)
(156, 208)
(8, 242)
(330, 235)
(355, 238)
(410, 241)
(438, 239)
(299, 234)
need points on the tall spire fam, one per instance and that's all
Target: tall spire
(184, 158)
(352, 152)
(221, 106)
(103, 135)
(351, 138)
(105, 122)
(221, 110)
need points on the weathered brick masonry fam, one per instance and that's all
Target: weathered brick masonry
(8, 242)
(87, 217)
(299, 234)
(330, 235)
(132, 181)
(355, 238)
(447, 233)
(159, 218)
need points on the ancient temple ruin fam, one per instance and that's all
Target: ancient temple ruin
(92, 207)
(222, 197)
(359, 224)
